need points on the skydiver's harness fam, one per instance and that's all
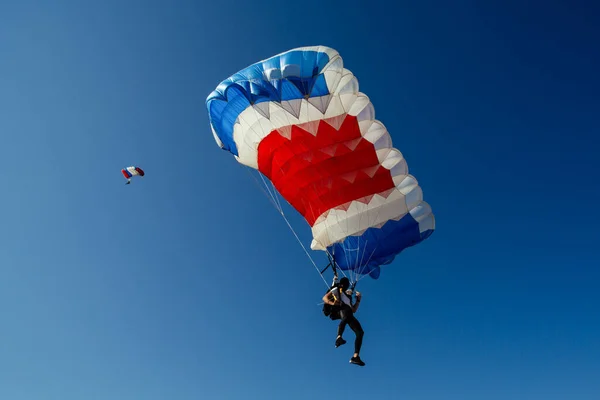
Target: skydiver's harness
(333, 312)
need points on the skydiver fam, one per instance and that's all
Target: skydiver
(341, 296)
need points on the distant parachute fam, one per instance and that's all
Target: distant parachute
(130, 172)
(300, 119)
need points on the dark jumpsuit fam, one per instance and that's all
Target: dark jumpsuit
(347, 318)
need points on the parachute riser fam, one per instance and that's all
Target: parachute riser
(332, 264)
(326, 268)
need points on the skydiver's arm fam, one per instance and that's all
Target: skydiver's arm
(330, 299)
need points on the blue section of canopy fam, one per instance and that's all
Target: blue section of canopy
(295, 74)
(377, 246)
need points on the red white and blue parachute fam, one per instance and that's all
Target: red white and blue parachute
(129, 172)
(300, 119)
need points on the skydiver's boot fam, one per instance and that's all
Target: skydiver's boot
(356, 360)
(339, 341)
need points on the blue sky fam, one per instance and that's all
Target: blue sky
(189, 285)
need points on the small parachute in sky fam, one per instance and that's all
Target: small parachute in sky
(129, 172)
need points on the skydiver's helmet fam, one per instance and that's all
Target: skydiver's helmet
(344, 283)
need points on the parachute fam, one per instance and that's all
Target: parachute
(301, 121)
(129, 172)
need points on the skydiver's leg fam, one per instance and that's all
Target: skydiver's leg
(345, 313)
(358, 331)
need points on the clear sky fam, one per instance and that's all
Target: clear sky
(188, 285)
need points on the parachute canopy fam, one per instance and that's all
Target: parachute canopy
(300, 119)
(131, 171)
